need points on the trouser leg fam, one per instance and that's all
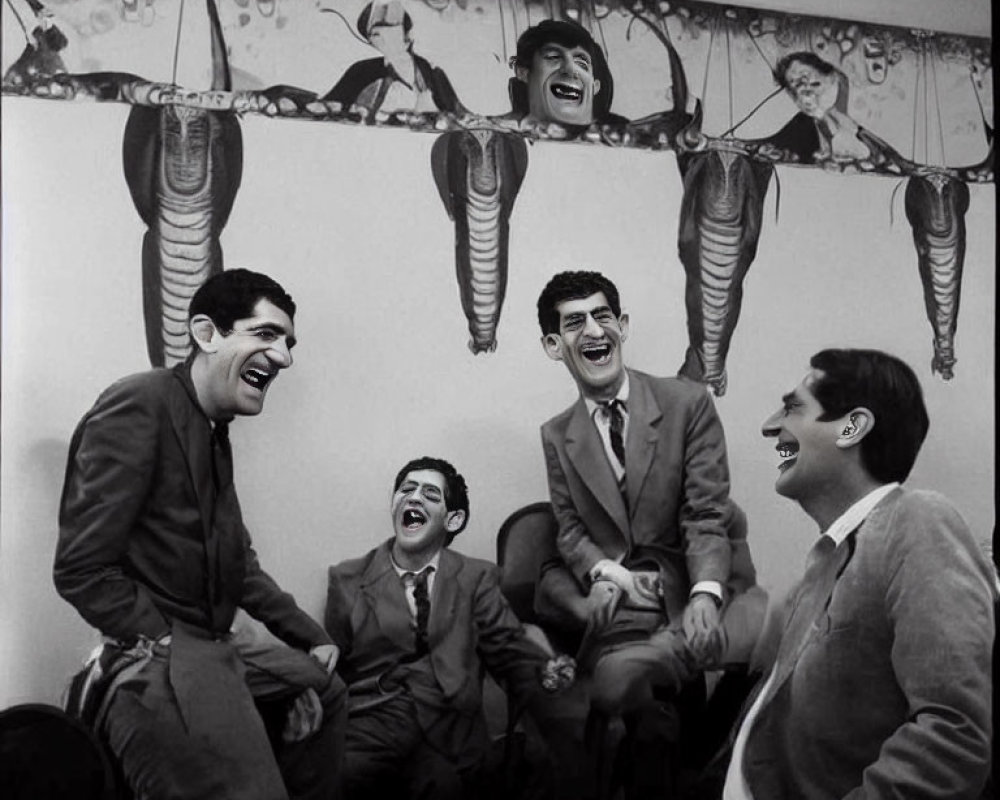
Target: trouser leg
(313, 767)
(378, 743)
(162, 758)
(640, 681)
(626, 676)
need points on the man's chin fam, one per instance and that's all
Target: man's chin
(569, 116)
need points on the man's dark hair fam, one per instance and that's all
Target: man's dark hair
(566, 34)
(890, 390)
(803, 57)
(572, 286)
(456, 493)
(232, 295)
(366, 14)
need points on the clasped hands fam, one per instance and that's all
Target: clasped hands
(305, 715)
(701, 621)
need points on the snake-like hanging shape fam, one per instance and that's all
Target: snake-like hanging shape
(720, 222)
(936, 204)
(183, 166)
(478, 175)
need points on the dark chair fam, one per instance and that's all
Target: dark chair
(525, 543)
(45, 753)
(526, 540)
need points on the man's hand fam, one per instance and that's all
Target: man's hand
(304, 716)
(602, 600)
(609, 570)
(702, 629)
(326, 655)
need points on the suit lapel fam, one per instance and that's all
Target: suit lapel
(586, 453)
(194, 435)
(385, 597)
(643, 435)
(444, 597)
(810, 605)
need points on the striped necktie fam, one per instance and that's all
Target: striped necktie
(616, 427)
(422, 600)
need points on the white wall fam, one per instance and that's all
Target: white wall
(349, 219)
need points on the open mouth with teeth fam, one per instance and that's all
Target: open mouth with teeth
(788, 452)
(413, 519)
(567, 92)
(597, 353)
(258, 378)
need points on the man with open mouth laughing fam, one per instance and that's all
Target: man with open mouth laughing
(640, 489)
(561, 76)
(416, 623)
(153, 551)
(882, 682)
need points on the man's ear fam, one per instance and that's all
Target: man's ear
(521, 73)
(857, 424)
(204, 333)
(454, 521)
(597, 86)
(552, 344)
(623, 326)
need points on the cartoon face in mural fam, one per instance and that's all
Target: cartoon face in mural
(813, 83)
(561, 85)
(400, 80)
(390, 40)
(561, 75)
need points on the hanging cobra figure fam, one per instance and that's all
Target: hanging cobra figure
(720, 222)
(936, 204)
(183, 166)
(478, 174)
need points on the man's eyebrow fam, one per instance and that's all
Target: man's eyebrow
(788, 397)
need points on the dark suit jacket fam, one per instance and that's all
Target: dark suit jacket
(678, 488)
(470, 626)
(137, 546)
(889, 695)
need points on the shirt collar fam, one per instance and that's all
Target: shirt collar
(401, 572)
(593, 405)
(856, 514)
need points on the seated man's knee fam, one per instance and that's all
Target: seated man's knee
(612, 691)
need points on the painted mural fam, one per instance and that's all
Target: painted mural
(737, 94)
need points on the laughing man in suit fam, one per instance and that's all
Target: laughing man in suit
(416, 622)
(882, 682)
(640, 491)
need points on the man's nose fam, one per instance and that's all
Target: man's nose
(280, 353)
(592, 328)
(772, 425)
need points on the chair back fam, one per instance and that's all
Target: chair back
(526, 540)
(47, 754)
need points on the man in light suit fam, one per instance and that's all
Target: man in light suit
(882, 683)
(639, 484)
(416, 623)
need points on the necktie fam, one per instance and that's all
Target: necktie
(222, 457)
(616, 427)
(422, 600)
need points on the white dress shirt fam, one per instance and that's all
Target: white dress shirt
(432, 565)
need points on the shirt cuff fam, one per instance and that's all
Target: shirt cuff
(713, 588)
